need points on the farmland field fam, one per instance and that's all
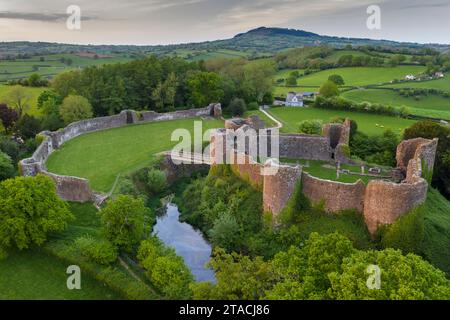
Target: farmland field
(428, 106)
(361, 76)
(51, 65)
(34, 94)
(101, 156)
(441, 84)
(370, 124)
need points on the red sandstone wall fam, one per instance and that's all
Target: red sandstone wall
(72, 188)
(278, 188)
(337, 195)
(249, 170)
(386, 201)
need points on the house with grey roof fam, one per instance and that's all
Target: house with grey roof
(294, 99)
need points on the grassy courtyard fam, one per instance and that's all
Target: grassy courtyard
(101, 156)
(370, 124)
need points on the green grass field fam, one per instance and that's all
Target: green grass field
(51, 66)
(101, 156)
(269, 122)
(371, 124)
(442, 84)
(34, 95)
(428, 106)
(35, 275)
(361, 76)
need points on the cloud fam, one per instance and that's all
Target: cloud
(39, 16)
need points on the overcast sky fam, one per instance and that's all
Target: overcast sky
(180, 21)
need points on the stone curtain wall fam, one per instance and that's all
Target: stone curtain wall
(337, 196)
(297, 146)
(78, 189)
(381, 202)
(386, 201)
(278, 188)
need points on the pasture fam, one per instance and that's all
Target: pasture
(361, 76)
(50, 65)
(101, 156)
(370, 124)
(433, 106)
(440, 84)
(32, 101)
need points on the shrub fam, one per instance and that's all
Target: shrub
(310, 127)
(225, 232)
(237, 107)
(329, 89)
(100, 251)
(337, 79)
(6, 167)
(123, 221)
(253, 106)
(156, 181)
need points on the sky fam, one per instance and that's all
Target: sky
(150, 22)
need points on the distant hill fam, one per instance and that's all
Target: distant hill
(254, 43)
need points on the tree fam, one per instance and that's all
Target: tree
(156, 181)
(19, 97)
(29, 210)
(402, 278)
(337, 79)
(34, 80)
(66, 83)
(28, 126)
(225, 233)
(75, 108)
(310, 127)
(8, 117)
(165, 269)
(6, 167)
(123, 221)
(237, 107)
(329, 89)
(204, 88)
(291, 81)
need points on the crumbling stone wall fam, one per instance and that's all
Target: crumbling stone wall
(279, 187)
(337, 196)
(245, 167)
(386, 201)
(300, 146)
(78, 189)
(72, 188)
(175, 171)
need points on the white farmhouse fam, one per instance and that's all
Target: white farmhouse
(294, 99)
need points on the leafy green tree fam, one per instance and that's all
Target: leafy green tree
(100, 251)
(329, 89)
(204, 88)
(237, 107)
(19, 97)
(291, 81)
(29, 210)
(28, 126)
(225, 233)
(310, 127)
(67, 83)
(75, 108)
(402, 278)
(156, 181)
(35, 80)
(6, 167)
(337, 79)
(123, 221)
(165, 269)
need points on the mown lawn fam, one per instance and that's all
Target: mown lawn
(430, 106)
(101, 156)
(370, 124)
(33, 274)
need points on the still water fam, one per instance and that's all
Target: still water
(187, 242)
